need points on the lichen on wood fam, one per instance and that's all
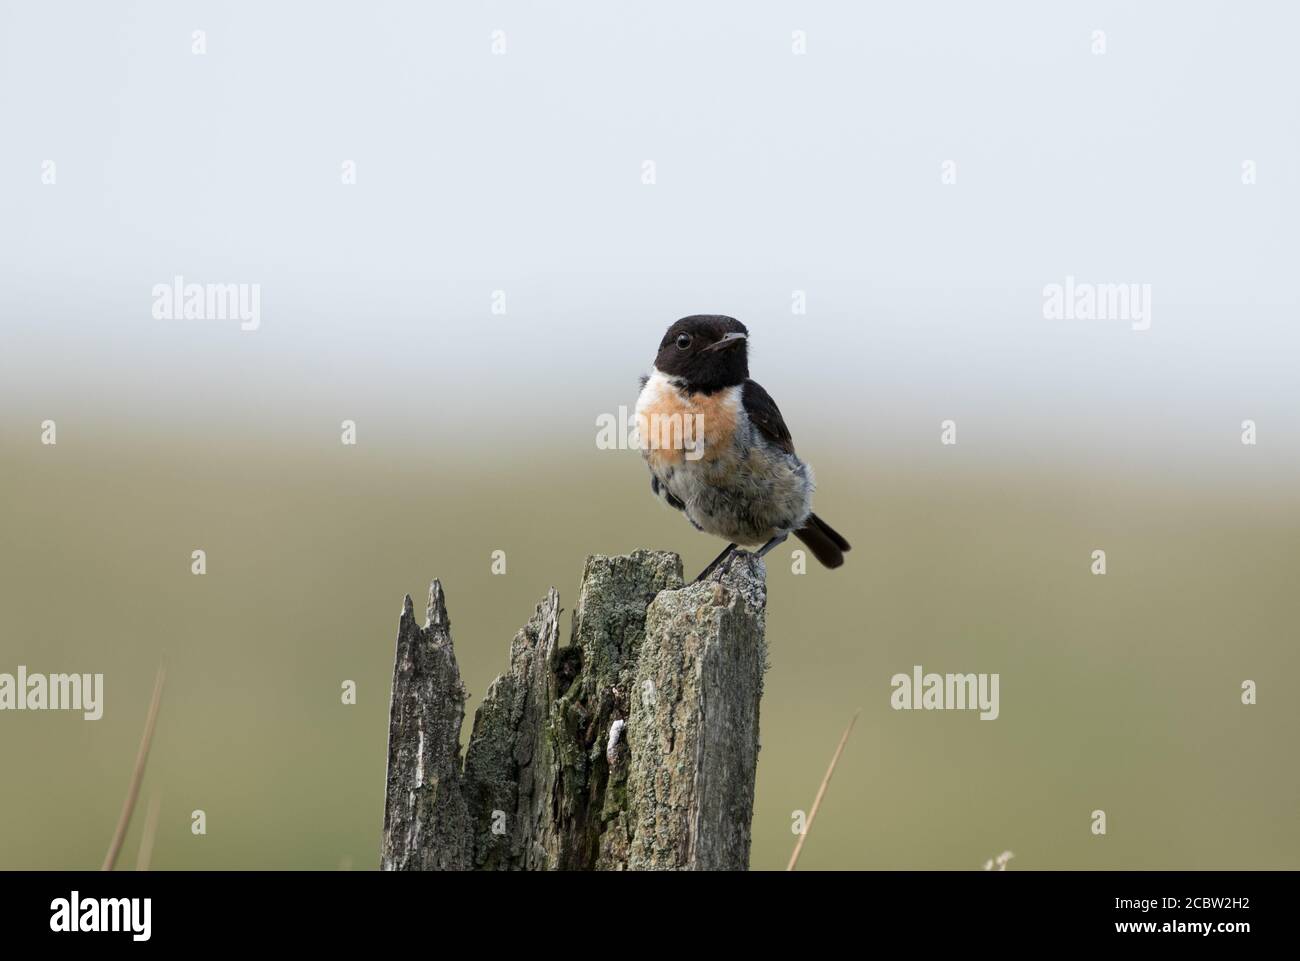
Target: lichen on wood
(426, 824)
(635, 746)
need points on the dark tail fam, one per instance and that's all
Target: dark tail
(826, 545)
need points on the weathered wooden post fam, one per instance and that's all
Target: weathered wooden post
(633, 747)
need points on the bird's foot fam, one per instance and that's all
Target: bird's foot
(723, 560)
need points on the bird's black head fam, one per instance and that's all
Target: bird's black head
(708, 351)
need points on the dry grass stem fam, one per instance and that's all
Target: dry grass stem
(133, 791)
(821, 791)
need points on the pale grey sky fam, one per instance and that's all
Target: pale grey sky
(775, 172)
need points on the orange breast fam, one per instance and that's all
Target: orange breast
(672, 424)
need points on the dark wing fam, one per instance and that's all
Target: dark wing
(764, 414)
(656, 489)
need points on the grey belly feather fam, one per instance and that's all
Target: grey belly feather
(747, 494)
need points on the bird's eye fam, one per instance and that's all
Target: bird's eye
(683, 341)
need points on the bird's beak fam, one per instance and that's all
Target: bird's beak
(728, 340)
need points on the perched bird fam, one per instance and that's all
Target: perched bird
(718, 449)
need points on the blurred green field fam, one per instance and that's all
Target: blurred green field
(1119, 692)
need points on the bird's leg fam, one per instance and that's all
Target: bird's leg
(774, 542)
(713, 564)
